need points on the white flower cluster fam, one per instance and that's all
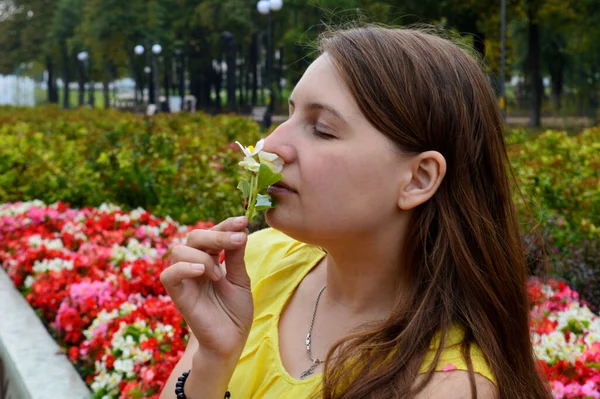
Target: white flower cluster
(163, 329)
(108, 208)
(19, 208)
(75, 228)
(56, 264)
(130, 354)
(132, 252)
(555, 346)
(36, 241)
(104, 317)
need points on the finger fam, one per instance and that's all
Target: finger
(214, 241)
(183, 253)
(172, 277)
(236, 267)
(238, 223)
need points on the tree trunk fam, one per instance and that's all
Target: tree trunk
(231, 82)
(167, 77)
(52, 93)
(65, 74)
(535, 74)
(196, 77)
(557, 88)
(240, 84)
(106, 93)
(218, 80)
(254, 69)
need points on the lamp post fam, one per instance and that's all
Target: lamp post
(265, 7)
(148, 72)
(181, 76)
(139, 87)
(156, 50)
(82, 57)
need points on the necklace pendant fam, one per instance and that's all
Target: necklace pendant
(308, 372)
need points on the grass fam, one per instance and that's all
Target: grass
(41, 97)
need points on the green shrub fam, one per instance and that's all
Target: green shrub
(182, 165)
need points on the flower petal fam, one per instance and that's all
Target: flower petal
(250, 164)
(247, 152)
(273, 161)
(259, 146)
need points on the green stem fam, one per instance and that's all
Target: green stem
(252, 197)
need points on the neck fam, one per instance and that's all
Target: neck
(362, 276)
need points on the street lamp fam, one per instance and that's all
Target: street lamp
(147, 71)
(265, 7)
(181, 76)
(139, 86)
(82, 57)
(156, 50)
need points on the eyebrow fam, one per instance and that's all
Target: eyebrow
(321, 107)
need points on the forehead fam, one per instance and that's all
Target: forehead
(322, 83)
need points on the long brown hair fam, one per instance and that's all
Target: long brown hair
(465, 260)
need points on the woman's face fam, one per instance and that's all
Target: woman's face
(345, 175)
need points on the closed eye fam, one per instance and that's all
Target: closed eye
(322, 135)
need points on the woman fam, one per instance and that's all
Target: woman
(394, 246)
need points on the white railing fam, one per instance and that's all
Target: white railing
(17, 90)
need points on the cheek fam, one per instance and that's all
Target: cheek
(344, 184)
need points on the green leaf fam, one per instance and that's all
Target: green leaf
(263, 202)
(266, 178)
(244, 187)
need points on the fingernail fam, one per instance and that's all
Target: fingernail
(218, 272)
(240, 219)
(237, 238)
(198, 266)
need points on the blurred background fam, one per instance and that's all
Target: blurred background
(236, 55)
(118, 122)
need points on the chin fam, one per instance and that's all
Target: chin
(297, 228)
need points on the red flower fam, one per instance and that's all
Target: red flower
(73, 353)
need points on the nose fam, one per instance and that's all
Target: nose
(279, 142)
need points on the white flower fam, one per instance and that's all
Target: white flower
(251, 151)
(29, 281)
(273, 161)
(250, 164)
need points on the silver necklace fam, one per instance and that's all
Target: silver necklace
(315, 362)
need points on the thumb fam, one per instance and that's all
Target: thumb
(236, 266)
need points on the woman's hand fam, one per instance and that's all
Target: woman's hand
(218, 308)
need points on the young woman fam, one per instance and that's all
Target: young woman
(393, 267)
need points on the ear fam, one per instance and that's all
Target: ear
(427, 170)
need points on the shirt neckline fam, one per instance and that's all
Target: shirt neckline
(275, 325)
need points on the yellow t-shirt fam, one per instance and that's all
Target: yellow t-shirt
(277, 264)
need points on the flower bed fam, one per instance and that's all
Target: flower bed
(92, 276)
(566, 337)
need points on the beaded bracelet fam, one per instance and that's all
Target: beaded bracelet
(181, 382)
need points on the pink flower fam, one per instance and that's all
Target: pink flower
(449, 367)
(147, 374)
(589, 390)
(558, 389)
(572, 390)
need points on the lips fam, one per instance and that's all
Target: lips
(283, 185)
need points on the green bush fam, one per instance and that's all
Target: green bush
(182, 165)
(559, 175)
